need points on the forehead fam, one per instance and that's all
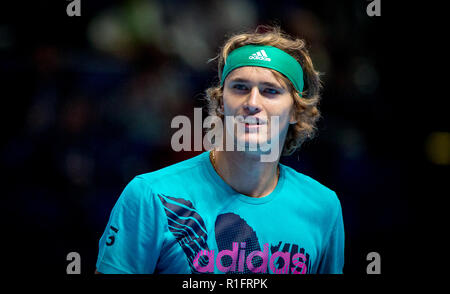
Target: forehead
(254, 74)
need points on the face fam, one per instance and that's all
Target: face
(253, 96)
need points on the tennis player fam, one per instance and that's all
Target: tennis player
(228, 211)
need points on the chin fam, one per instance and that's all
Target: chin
(250, 143)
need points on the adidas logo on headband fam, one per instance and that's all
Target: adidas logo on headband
(260, 55)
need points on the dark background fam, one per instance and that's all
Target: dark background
(87, 104)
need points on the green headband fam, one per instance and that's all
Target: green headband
(265, 56)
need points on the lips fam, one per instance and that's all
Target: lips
(251, 121)
(251, 124)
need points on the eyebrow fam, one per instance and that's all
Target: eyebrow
(241, 80)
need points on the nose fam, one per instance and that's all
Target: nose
(252, 104)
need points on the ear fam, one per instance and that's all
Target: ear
(220, 109)
(292, 117)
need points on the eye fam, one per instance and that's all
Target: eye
(271, 91)
(241, 87)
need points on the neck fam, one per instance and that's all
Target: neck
(245, 173)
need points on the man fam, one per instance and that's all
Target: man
(227, 210)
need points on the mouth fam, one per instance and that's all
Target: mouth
(251, 124)
(251, 121)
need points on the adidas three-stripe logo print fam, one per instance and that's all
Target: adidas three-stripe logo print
(260, 55)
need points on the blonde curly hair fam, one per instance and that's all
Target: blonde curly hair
(305, 103)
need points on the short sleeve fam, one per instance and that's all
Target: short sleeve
(133, 238)
(332, 261)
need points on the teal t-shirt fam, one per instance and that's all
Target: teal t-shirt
(185, 219)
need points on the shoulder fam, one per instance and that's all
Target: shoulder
(311, 189)
(172, 178)
(177, 171)
(143, 189)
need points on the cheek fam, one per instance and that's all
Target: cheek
(228, 106)
(227, 109)
(284, 113)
